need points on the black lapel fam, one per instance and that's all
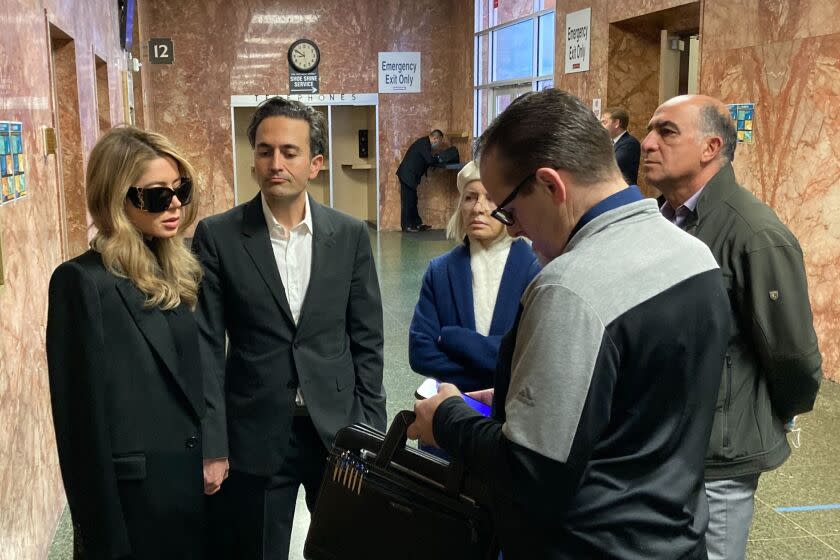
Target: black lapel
(619, 142)
(151, 322)
(323, 240)
(258, 245)
(158, 334)
(460, 281)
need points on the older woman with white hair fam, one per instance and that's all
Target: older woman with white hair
(470, 295)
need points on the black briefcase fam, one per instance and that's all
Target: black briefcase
(381, 499)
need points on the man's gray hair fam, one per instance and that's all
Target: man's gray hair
(714, 123)
(550, 128)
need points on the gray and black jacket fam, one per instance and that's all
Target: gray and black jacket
(772, 369)
(604, 397)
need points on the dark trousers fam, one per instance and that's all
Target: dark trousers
(252, 515)
(409, 216)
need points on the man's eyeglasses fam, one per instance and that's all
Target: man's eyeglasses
(158, 199)
(503, 214)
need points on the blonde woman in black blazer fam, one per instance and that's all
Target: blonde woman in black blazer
(122, 349)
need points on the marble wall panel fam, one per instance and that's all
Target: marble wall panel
(747, 23)
(70, 143)
(633, 78)
(229, 48)
(794, 163)
(31, 494)
(620, 11)
(103, 99)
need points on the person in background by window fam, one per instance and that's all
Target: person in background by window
(124, 364)
(414, 164)
(469, 295)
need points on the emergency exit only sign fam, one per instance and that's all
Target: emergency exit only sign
(578, 31)
(399, 72)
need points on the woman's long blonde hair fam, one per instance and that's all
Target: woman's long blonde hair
(164, 269)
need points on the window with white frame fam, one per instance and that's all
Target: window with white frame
(514, 54)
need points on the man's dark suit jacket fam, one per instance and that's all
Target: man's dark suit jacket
(416, 161)
(627, 152)
(334, 353)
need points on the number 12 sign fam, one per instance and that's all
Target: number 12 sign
(161, 51)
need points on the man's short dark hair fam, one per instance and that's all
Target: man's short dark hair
(619, 114)
(550, 128)
(711, 122)
(281, 107)
(438, 133)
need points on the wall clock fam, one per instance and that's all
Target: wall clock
(304, 55)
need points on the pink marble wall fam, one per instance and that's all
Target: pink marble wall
(785, 58)
(633, 77)
(31, 494)
(230, 48)
(103, 94)
(70, 142)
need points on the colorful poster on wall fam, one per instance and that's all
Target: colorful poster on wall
(12, 162)
(6, 187)
(743, 115)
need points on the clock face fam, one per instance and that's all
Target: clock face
(304, 55)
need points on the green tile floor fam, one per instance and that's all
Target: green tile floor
(810, 477)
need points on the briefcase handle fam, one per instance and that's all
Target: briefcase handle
(395, 440)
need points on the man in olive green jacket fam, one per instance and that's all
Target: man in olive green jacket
(772, 369)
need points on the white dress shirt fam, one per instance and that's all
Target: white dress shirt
(617, 137)
(293, 254)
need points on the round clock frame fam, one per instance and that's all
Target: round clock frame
(303, 67)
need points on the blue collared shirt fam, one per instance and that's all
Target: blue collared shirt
(625, 196)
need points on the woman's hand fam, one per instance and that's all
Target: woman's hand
(215, 472)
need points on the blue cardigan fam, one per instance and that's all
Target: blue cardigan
(442, 341)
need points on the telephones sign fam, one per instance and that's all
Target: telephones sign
(161, 51)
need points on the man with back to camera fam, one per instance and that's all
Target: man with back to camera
(413, 166)
(772, 368)
(627, 150)
(606, 384)
(293, 285)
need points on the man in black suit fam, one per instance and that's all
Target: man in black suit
(627, 148)
(414, 164)
(293, 285)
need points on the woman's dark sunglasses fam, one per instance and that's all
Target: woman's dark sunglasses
(503, 214)
(158, 199)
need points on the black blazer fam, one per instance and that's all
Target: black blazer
(334, 353)
(127, 413)
(627, 153)
(416, 161)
